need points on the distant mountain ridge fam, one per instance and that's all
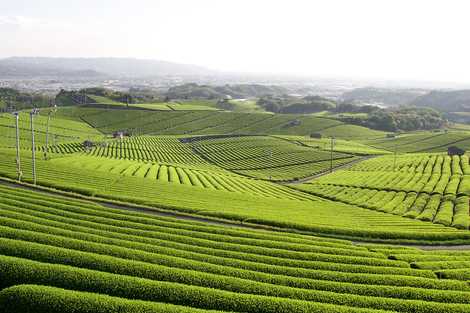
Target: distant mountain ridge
(446, 101)
(196, 91)
(30, 67)
(383, 96)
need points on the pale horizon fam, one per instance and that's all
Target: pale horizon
(387, 40)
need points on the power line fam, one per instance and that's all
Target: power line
(18, 161)
(331, 154)
(47, 130)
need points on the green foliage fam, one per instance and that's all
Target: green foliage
(43, 299)
(296, 105)
(403, 119)
(266, 157)
(461, 213)
(15, 100)
(65, 135)
(421, 186)
(59, 242)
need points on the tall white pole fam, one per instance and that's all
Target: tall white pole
(18, 161)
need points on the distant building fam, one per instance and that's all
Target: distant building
(292, 123)
(295, 122)
(315, 135)
(121, 134)
(453, 150)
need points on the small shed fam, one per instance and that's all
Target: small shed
(453, 150)
(315, 135)
(295, 122)
(121, 134)
(88, 144)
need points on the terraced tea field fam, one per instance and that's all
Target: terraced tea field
(267, 157)
(202, 176)
(210, 122)
(267, 204)
(59, 252)
(167, 149)
(428, 187)
(61, 131)
(209, 211)
(339, 145)
(104, 102)
(423, 141)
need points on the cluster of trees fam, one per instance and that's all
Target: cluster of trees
(402, 118)
(108, 93)
(72, 97)
(12, 99)
(289, 104)
(406, 119)
(347, 107)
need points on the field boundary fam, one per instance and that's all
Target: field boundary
(326, 172)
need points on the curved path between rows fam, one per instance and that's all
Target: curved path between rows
(196, 218)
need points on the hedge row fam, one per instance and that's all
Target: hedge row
(16, 271)
(255, 263)
(44, 299)
(187, 251)
(431, 208)
(219, 250)
(441, 265)
(421, 257)
(177, 265)
(21, 271)
(173, 222)
(206, 240)
(418, 206)
(464, 164)
(446, 212)
(459, 274)
(461, 217)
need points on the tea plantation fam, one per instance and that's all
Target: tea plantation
(194, 209)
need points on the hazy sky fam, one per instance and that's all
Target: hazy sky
(404, 39)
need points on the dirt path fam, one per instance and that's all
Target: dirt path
(148, 210)
(442, 247)
(196, 218)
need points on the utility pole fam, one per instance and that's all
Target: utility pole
(331, 154)
(18, 162)
(270, 155)
(33, 112)
(52, 110)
